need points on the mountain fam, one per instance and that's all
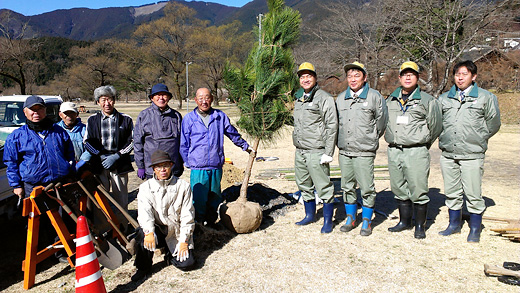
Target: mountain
(94, 24)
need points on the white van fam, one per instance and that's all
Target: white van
(12, 117)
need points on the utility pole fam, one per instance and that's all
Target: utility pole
(187, 88)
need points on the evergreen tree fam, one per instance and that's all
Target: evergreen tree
(264, 86)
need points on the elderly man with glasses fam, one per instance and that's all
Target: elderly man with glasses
(202, 149)
(109, 141)
(166, 218)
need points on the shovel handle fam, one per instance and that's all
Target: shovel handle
(62, 204)
(118, 206)
(91, 197)
(496, 270)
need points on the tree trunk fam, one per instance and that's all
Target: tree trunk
(247, 174)
(216, 100)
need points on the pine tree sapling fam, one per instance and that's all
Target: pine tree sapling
(263, 89)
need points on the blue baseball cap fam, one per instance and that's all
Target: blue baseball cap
(159, 88)
(33, 100)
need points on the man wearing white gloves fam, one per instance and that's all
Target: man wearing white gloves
(314, 136)
(166, 217)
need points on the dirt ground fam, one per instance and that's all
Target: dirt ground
(282, 256)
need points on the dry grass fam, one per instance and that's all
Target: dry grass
(509, 104)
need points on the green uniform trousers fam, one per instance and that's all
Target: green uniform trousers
(463, 177)
(310, 175)
(360, 170)
(409, 169)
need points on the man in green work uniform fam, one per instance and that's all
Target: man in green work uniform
(470, 116)
(314, 136)
(414, 122)
(362, 116)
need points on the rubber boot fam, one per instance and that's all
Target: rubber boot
(455, 223)
(405, 216)
(310, 213)
(350, 210)
(421, 212)
(366, 226)
(475, 227)
(328, 212)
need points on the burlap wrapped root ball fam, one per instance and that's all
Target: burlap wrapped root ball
(241, 216)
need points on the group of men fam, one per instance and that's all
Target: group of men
(41, 152)
(464, 118)
(163, 142)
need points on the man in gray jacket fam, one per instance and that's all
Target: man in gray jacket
(362, 118)
(314, 136)
(414, 122)
(470, 116)
(158, 127)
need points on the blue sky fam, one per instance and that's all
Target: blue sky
(33, 7)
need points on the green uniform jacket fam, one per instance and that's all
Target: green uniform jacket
(362, 122)
(468, 125)
(315, 122)
(418, 122)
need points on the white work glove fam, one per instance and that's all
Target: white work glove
(325, 159)
(181, 251)
(150, 241)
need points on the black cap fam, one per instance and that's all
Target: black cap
(33, 100)
(160, 156)
(159, 88)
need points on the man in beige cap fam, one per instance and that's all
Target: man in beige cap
(414, 123)
(314, 136)
(362, 118)
(71, 122)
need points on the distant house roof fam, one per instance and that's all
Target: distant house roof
(478, 52)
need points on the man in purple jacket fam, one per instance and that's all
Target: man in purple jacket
(158, 127)
(202, 149)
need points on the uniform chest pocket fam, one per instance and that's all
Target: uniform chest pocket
(475, 110)
(313, 109)
(165, 129)
(417, 111)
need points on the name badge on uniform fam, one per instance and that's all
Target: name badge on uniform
(310, 104)
(402, 120)
(365, 104)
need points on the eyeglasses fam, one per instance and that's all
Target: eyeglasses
(204, 99)
(106, 100)
(408, 75)
(306, 76)
(162, 166)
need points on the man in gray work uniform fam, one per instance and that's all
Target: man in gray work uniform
(414, 122)
(470, 116)
(314, 136)
(362, 118)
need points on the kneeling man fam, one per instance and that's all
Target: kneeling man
(166, 218)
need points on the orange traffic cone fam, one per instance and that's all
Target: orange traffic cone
(88, 274)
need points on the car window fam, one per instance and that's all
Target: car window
(11, 114)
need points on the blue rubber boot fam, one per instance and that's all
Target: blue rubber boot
(328, 212)
(475, 227)
(310, 213)
(350, 210)
(366, 226)
(455, 223)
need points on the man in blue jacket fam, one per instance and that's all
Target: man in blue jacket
(202, 149)
(38, 153)
(158, 127)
